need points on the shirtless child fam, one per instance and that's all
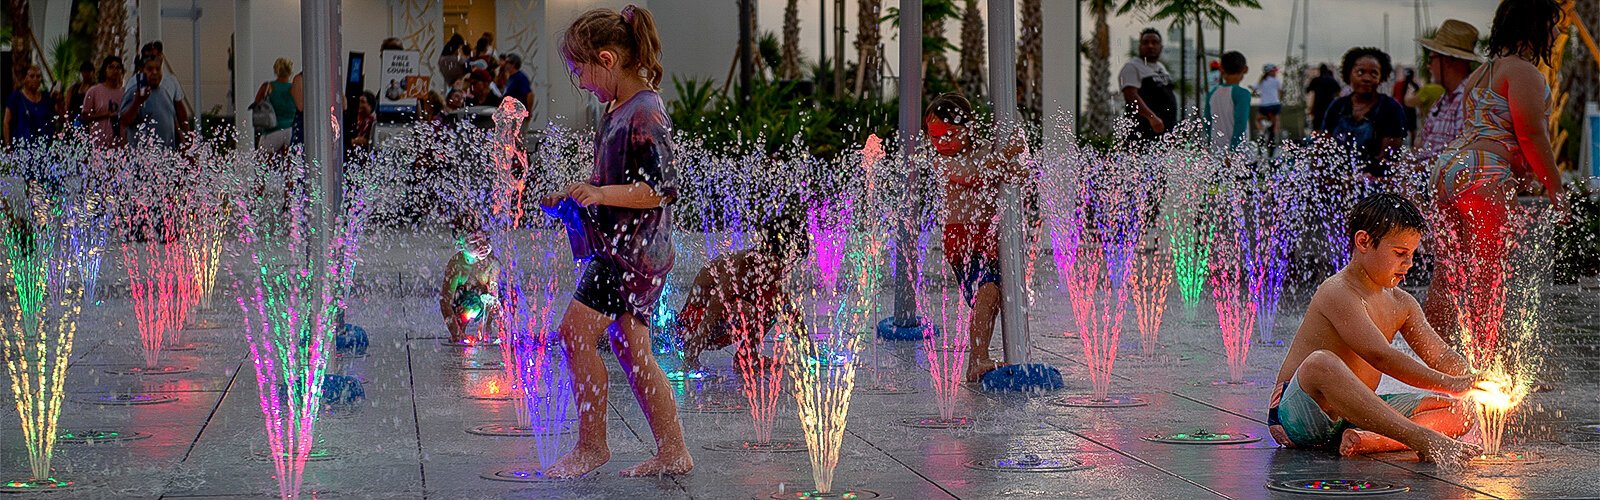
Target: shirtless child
(1326, 389)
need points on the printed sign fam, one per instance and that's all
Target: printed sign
(402, 81)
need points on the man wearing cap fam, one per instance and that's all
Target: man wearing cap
(479, 90)
(1450, 59)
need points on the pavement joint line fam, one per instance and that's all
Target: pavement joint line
(213, 413)
(416, 421)
(1218, 408)
(902, 464)
(1146, 463)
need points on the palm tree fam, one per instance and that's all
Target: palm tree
(1030, 61)
(21, 38)
(789, 69)
(868, 38)
(1201, 12)
(937, 77)
(1099, 116)
(112, 30)
(972, 71)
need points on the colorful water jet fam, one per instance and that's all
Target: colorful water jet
(1495, 397)
(161, 273)
(293, 305)
(948, 347)
(44, 246)
(821, 338)
(1230, 277)
(529, 282)
(1094, 212)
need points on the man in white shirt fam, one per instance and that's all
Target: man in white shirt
(1147, 89)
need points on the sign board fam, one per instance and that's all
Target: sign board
(401, 81)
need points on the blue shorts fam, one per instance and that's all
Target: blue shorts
(1297, 421)
(974, 271)
(1271, 109)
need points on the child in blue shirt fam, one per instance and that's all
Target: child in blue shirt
(1228, 105)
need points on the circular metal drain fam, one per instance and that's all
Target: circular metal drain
(494, 342)
(511, 430)
(773, 446)
(1112, 401)
(98, 437)
(1203, 437)
(1337, 487)
(1510, 458)
(129, 399)
(159, 370)
(488, 397)
(481, 365)
(1028, 463)
(715, 406)
(849, 494)
(526, 476)
(45, 485)
(192, 346)
(935, 422)
(1592, 429)
(316, 454)
(887, 390)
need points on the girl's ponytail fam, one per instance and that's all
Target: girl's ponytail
(646, 44)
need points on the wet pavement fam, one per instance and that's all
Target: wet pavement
(409, 438)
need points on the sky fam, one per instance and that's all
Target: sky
(1262, 35)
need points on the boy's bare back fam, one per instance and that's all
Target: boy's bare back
(1340, 310)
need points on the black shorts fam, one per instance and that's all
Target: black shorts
(600, 288)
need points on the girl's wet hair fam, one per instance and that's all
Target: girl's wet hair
(1522, 28)
(630, 33)
(951, 108)
(1382, 214)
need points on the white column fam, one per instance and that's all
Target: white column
(149, 25)
(1061, 60)
(244, 78)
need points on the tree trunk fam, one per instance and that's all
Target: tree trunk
(21, 39)
(1100, 115)
(867, 39)
(112, 31)
(1202, 84)
(1030, 60)
(972, 52)
(789, 67)
(935, 66)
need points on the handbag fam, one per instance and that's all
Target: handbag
(262, 115)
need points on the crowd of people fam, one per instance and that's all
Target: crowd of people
(144, 104)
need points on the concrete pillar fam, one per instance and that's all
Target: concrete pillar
(905, 297)
(1061, 61)
(244, 79)
(149, 24)
(324, 89)
(1013, 251)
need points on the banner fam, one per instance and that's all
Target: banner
(402, 81)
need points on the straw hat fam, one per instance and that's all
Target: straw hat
(1455, 39)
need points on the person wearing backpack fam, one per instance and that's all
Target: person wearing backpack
(275, 96)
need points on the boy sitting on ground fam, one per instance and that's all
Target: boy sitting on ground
(467, 297)
(1327, 388)
(741, 293)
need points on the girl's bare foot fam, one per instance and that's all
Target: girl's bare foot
(663, 464)
(1358, 442)
(976, 367)
(581, 460)
(1448, 453)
